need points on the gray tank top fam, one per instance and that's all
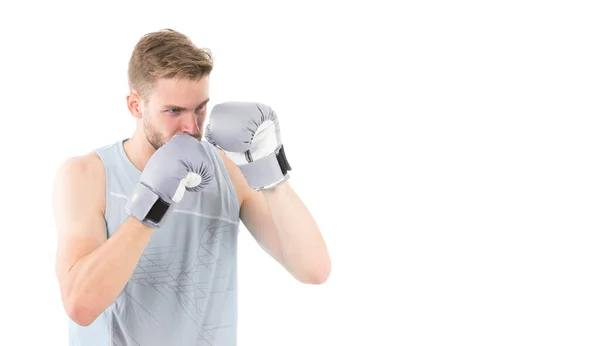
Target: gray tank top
(184, 288)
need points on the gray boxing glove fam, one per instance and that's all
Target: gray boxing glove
(181, 164)
(249, 135)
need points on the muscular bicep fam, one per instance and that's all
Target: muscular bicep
(78, 200)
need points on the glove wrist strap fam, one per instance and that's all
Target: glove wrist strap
(146, 206)
(267, 171)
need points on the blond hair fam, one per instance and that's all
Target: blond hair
(166, 54)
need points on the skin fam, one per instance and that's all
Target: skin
(92, 269)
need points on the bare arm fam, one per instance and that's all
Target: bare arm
(284, 228)
(302, 244)
(91, 270)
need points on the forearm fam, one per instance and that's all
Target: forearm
(98, 278)
(302, 246)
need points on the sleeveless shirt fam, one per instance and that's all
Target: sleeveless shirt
(184, 288)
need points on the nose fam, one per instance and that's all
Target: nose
(190, 124)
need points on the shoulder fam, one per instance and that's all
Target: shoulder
(83, 175)
(240, 185)
(85, 167)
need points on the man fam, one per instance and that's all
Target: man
(147, 226)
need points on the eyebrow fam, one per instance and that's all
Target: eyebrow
(183, 108)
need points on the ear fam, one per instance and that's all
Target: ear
(134, 103)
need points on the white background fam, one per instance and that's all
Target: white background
(449, 151)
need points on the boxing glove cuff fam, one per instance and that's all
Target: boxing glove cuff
(147, 206)
(267, 172)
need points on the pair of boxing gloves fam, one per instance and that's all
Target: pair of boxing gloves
(247, 132)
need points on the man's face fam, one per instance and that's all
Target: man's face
(175, 107)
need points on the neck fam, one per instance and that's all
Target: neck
(138, 150)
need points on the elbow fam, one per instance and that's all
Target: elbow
(316, 279)
(80, 312)
(317, 275)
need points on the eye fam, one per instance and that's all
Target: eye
(172, 110)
